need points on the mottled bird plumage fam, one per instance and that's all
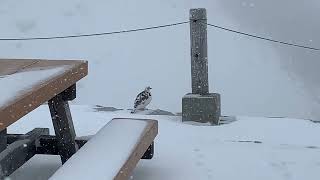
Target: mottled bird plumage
(142, 99)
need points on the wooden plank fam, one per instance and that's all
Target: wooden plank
(48, 144)
(15, 156)
(12, 66)
(19, 152)
(142, 145)
(41, 92)
(113, 152)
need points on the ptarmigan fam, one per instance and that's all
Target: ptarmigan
(142, 100)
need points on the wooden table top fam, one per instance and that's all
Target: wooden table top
(28, 83)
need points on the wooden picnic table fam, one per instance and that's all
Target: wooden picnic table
(25, 85)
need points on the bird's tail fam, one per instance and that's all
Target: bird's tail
(133, 111)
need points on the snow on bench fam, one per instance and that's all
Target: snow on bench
(112, 153)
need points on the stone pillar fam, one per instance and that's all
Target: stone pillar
(200, 105)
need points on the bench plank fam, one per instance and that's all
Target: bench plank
(12, 66)
(19, 152)
(112, 153)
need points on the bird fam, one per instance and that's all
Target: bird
(142, 99)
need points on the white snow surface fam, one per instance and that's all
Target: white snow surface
(15, 84)
(250, 148)
(108, 149)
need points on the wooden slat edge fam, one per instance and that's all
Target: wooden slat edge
(146, 139)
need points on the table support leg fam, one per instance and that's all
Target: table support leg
(63, 124)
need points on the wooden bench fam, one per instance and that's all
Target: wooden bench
(112, 153)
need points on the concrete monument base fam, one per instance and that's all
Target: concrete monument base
(201, 108)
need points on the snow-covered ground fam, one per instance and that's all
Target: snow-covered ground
(254, 78)
(249, 148)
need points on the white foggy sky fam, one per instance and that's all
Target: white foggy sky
(253, 77)
(293, 21)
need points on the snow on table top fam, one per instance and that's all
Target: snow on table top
(14, 85)
(103, 156)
